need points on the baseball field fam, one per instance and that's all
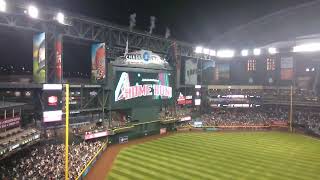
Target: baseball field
(236, 155)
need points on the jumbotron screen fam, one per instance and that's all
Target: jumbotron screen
(141, 87)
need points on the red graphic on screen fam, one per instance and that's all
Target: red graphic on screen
(52, 100)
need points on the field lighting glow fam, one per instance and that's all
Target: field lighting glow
(311, 47)
(60, 18)
(3, 6)
(225, 53)
(212, 53)
(206, 51)
(245, 52)
(272, 50)
(33, 11)
(198, 49)
(256, 51)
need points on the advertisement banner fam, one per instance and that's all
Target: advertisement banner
(123, 139)
(98, 62)
(58, 50)
(143, 59)
(286, 68)
(191, 72)
(9, 122)
(163, 130)
(39, 58)
(95, 135)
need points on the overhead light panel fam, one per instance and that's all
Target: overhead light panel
(60, 18)
(256, 51)
(272, 50)
(198, 49)
(311, 47)
(225, 53)
(3, 6)
(212, 53)
(245, 52)
(206, 51)
(33, 11)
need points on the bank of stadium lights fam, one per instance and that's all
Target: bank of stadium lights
(212, 53)
(311, 47)
(225, 53)
(256, 51)
(272, 50)
(3, 6)
(60, 18)
(205, 51)
(244, 52)
(198, 50)
(33, 11)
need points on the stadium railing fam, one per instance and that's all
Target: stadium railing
(90, 164)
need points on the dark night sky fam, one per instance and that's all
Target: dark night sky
(195, 21)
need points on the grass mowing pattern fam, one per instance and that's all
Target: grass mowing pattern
(237, 155)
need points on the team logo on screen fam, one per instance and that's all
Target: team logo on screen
(124, 91)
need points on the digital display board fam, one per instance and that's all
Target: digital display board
(141, 87)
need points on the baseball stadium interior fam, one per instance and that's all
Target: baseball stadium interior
(79, 94)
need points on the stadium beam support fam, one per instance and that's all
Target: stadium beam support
(84, 28)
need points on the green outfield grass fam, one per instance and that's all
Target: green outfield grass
(237, 155)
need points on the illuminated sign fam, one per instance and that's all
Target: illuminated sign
(142, 58)
(52, 100)
(52, 87)
(95, 135)
(163, 130)
(124, 91)
(9, 122)
(52, 116)
(197, 124)
(184, 100)
(187, 118)
(197, 102)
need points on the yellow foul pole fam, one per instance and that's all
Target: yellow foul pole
(291, 94)
(67, 134)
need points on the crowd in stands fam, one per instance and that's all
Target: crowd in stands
(262, 116)
(244, 117)
(46, 161)
(269, 93)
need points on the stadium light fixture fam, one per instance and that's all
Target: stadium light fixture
(272, 50)
(60, 18)
(206, 51)
(225, 53)
(212, 53)
(256, 51)
(245, 52)
(33, 11)
(199, 50)
(311, 47)
(3, 6)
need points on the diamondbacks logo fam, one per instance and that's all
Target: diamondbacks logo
(124, 91)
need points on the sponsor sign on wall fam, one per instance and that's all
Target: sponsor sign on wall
(191, 72)
(9, 122)
(142, 58)
(98, 61)
(286, 68)
(58, 49)
(39, 58)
